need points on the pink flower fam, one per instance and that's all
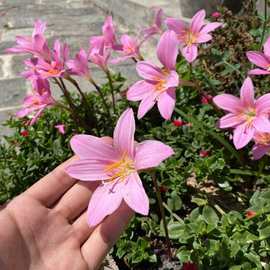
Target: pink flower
(35, 103)
(53, 68)
(262, 60)
(130, 48)
(216, 14)
(98, 53)
(155, 28)
(190, 36)
(262, 145)
(116, 165)
(159, 83)
(61, 128)
(79, 65)
(246, 115)
(36, 44)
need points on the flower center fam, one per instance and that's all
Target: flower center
(190, 38)
(128, 49)
(53, 71)
(250, 114)
(120, 169)
(262, 138)
(161, 82)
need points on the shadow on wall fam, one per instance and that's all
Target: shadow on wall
(190, 7)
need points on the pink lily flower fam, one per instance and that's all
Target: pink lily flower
(79, 65)
(262, 60)
(158, 84)
(98, 53)
(246, 114)
(190, 36)
(108, 31)
(262, 145)
(53, 68)
(35, 103)
(155, 28)
(36, 44)
(60, 128)
(116, 165)
(130, 48)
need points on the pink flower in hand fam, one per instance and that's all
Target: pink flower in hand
(79, 65)
(246, 115)
(116, 165)
(262, 60)
(36, 44)
(262, 145)
(61, 128)
(159, 83)
(190, 36)
(35, 103)
(130, 48)
(155, 28)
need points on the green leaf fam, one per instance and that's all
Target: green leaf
(184, 256)
(176, 230)
(210, 215)
(264, 233)
(199, 201)
(174, 202)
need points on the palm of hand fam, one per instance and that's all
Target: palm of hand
(46, 227)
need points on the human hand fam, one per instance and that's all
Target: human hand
(46, 227)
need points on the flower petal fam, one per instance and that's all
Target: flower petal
(167, 49)
(228, 102)
(88, 170)
(176, 25)
(104, 201)
(150, 153)
(123, 136)
(139, 90)
(197, 21)
(146, 105)
(202, 38)
(149, 71)
(247, 93)
(91, 147)
(266, 47)
(258, 151)
(263, 104)
(258, 71)
(135, 196)
(242, 135)
(258, 59)
(261, 124)
(230, 120)
(210, 27)
(166, 103)
(190, 53)
(172, 79)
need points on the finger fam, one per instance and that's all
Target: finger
(52, 186)
(82, 229)
(75, 200)
(105, 235)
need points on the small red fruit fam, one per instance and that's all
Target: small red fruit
(189, 266)
(204, 153)
(24, 133)
(250, 214)
(178, 123)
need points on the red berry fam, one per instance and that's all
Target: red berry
(24, 133)
(204, 153)
(178, 123)
(250, 214)
(189, 266)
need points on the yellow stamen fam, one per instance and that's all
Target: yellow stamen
(161, 83)
(53, 71)
(190, 38)
(262, 138)
(120, 169)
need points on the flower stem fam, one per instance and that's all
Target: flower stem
(106, 107)
(264, 23)
(162, 212)
(112, 89)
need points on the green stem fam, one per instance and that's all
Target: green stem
(162, 212)
(213, 134)
(112, 89)
(171, 212)
(264, 23)
(103, 100)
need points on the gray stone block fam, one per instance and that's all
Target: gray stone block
(12, 92)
